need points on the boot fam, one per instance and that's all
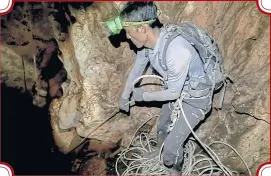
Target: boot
(179, 165)
(174, 161)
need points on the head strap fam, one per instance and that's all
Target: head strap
(136, 23)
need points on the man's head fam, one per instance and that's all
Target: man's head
(139, 12)
(139, 19)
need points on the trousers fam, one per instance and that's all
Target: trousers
(174, 140)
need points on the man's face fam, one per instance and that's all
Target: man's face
(137, 35)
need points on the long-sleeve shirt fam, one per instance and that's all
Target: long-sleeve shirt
(182, 60)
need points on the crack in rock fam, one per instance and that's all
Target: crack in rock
(245, 113)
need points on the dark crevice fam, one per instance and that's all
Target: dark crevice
(12, 43)
(245, 113)
(52, 72)
(38, 38)
(26, 135)
(53, 67)
(17, 44)
(24, 22)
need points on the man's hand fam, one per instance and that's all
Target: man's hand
(123, 105)
(138, 94)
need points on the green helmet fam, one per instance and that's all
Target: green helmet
(116, 25)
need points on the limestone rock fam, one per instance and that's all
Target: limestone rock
(69, 115)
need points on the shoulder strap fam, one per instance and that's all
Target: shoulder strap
(166, 39)
(171, 32)
(164, 50)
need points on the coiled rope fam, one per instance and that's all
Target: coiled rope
(205, 162)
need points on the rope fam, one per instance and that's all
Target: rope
(141, 77)
(133, 161)
(146, 76)
(212, 154)
(136, 163)
(98, 126)
(114, 113)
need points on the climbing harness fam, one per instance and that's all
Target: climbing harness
(175, 114)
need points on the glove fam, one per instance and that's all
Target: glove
(138, 94)
(123, 106)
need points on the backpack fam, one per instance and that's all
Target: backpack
(206, 48)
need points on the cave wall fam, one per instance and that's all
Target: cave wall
(29, 51)
(97, 72)
(18, 48)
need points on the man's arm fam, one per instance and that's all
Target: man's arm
(140, 65)
(178, 61)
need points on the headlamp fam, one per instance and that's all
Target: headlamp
(116, 25)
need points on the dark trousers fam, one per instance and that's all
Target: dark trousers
(173, 142)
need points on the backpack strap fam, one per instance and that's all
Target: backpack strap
(162, 58)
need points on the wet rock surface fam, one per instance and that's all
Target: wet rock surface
(97, 69)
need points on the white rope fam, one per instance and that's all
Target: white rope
(133, 161)
(146, 76)
(141, 77)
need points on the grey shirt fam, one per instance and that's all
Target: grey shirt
(182, 60)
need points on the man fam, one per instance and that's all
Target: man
(183, 63)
